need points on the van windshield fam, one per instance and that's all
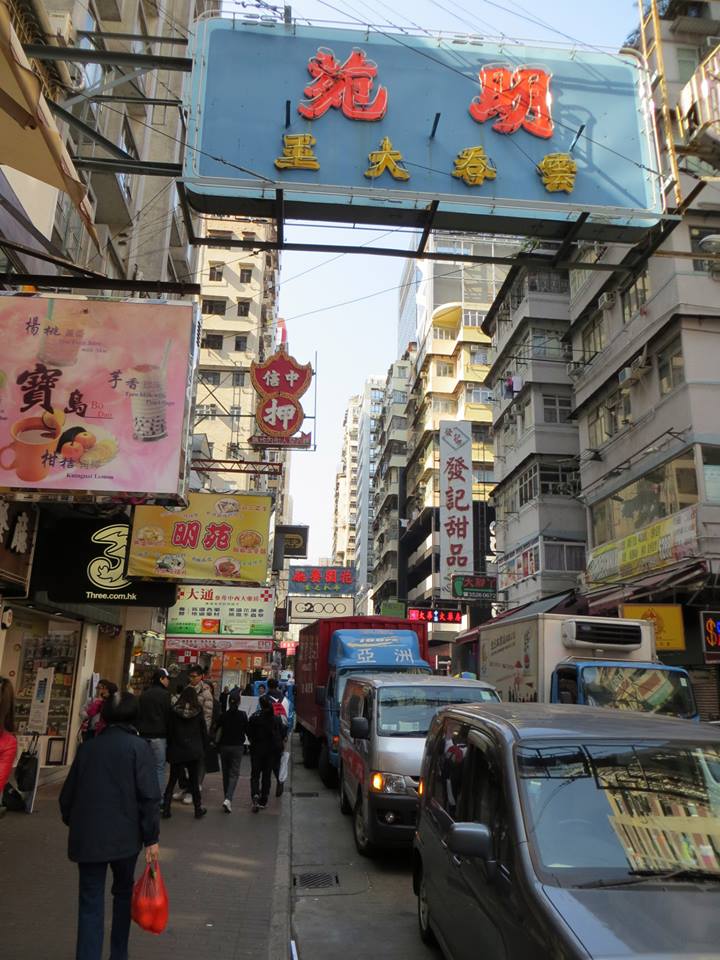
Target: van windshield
(609, 812)
(638, 688)
(408, 711)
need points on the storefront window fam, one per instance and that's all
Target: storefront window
(660, 493)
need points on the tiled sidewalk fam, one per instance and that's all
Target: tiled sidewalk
(228, 889)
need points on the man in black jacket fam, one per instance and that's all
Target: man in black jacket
(154, 715)
(110, 801)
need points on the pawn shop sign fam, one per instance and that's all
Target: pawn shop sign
(280, 381)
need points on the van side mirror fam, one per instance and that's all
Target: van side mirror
(472, 840)
(320, 696)
(359, 728)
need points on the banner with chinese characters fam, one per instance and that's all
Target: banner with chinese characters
(456, 515)
(219, 644)
(483, 131)
(279, 382)
(217, 537)
(18, 533)
(95, 397)
(322, 581)
(434, 615)
(229, 612)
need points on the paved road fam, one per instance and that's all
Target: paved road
(369, 909)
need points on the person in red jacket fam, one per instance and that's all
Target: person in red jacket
(8, 743)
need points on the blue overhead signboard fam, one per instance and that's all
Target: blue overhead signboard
(378, 125)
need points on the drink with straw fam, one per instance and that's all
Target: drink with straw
(62, 333)
(148, 400)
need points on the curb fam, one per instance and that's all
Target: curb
(280, 923)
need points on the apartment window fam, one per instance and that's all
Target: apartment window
(558, 480)
(216, 272)
(593, 337)
(472, 318)
(528, 485)
(671, 367)
(241, 343)
(127, 143)
(479, 355)
(238, 378)
(634, 297)
(444, 406)
(617, 412)
(563, 556)
(688, 59)
(249, 235)
(243, 308)
(475, 394)
(399, 396)
(210, 377)
(595, 430)
(212, 341)
(556, 408)
(442, 333)
(235, 412)
(445, 369)
(233, 451)
(207, 411)
(215, 307)
(697, 235)
(221, 235)
(245, 274)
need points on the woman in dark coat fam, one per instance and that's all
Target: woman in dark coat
(265, 732)
(187, 743)
(110, 801)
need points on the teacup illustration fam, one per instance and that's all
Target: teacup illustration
(32, 447)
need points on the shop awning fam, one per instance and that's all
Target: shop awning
(611, 596)
(29, 138)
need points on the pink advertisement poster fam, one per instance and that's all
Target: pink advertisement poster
(95, 396)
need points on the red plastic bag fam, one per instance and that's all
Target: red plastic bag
(150, 905)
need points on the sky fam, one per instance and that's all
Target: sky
(344, 308)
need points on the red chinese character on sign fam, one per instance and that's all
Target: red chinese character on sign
(346, 576)
(315, 576)
(456, 556)
(217, 536)
(455, 499)
(457, 527)
(185, 533)
(519, 98)
(299, 577)
(456, 468)
(345, 87)
(330, 575)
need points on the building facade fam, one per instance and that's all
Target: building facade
(344, 530)
(368, 436)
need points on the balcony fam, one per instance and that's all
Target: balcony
(110, 9)
(698, 111)
(114, 200)
(691, 17)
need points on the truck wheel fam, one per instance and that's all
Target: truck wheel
(309, 750)
(423, 912)
(328, 773)
(364, 847)
(345, 807)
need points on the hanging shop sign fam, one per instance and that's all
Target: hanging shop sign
(95, 397)
(456, 513)
(333, 581)
(83, 561)
(475, 587)
(338, 120)
(434, 614)
(310, 609)
(208, 644)
(280, 381)
(217, 537)
(653, 547)
(214, 611)
(667, 619)
(710, 630)
(393, 608)
(18, 533)
(291, 542)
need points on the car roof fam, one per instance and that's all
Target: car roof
(530, 721)
(388, 679)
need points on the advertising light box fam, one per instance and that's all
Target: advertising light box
(390, 122)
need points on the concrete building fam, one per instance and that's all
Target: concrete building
(407, 306)
(346, 488)
(368, 430)
(448, 384)
(391, 462)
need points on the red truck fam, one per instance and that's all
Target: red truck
(328, 652)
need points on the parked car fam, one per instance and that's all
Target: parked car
(384, 719)
(568, 832)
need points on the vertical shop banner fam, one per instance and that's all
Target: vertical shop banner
(95, 396)
(40, 704)
(456, 515)
(215, 538)
(18, 532)
(229, 612)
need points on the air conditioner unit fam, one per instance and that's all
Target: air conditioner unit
(62, 27)
(607, 301)
(626, 376)
(575, 369)
(641, 365)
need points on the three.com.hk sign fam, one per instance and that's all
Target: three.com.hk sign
(310, 609)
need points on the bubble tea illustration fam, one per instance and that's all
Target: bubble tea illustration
(148, 399)
(62, 332)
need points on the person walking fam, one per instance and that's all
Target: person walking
(187, 742)
(206, 701)
(266, 737)
(110, 802)
(281, 706)
(91, 713)
(154, 718)
(230, 738)
(224, 697)
(8, 740)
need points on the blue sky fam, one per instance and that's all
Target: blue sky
(356, 339)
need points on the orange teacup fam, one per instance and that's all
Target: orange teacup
(32, 449)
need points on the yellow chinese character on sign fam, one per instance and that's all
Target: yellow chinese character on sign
(386, 159)
(298, 153)
(473, 166)
(558, 171)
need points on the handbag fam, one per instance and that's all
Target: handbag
(28, 766)
(284, 764)
(150, 905)
(212, 760)
(13, 800)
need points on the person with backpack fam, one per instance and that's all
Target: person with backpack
(154, 719)
(281, 708)
(266, 735)
(230, 738)
(187, 742)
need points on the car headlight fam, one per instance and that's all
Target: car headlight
(388, 783)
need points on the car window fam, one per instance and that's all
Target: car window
(354, 707)
(482, 799)
(365, 707)
(449, 766)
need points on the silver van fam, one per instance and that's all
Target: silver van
(384, 719)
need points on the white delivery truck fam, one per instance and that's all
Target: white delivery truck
(599, 661)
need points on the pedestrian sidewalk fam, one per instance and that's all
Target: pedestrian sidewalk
(228, 879)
